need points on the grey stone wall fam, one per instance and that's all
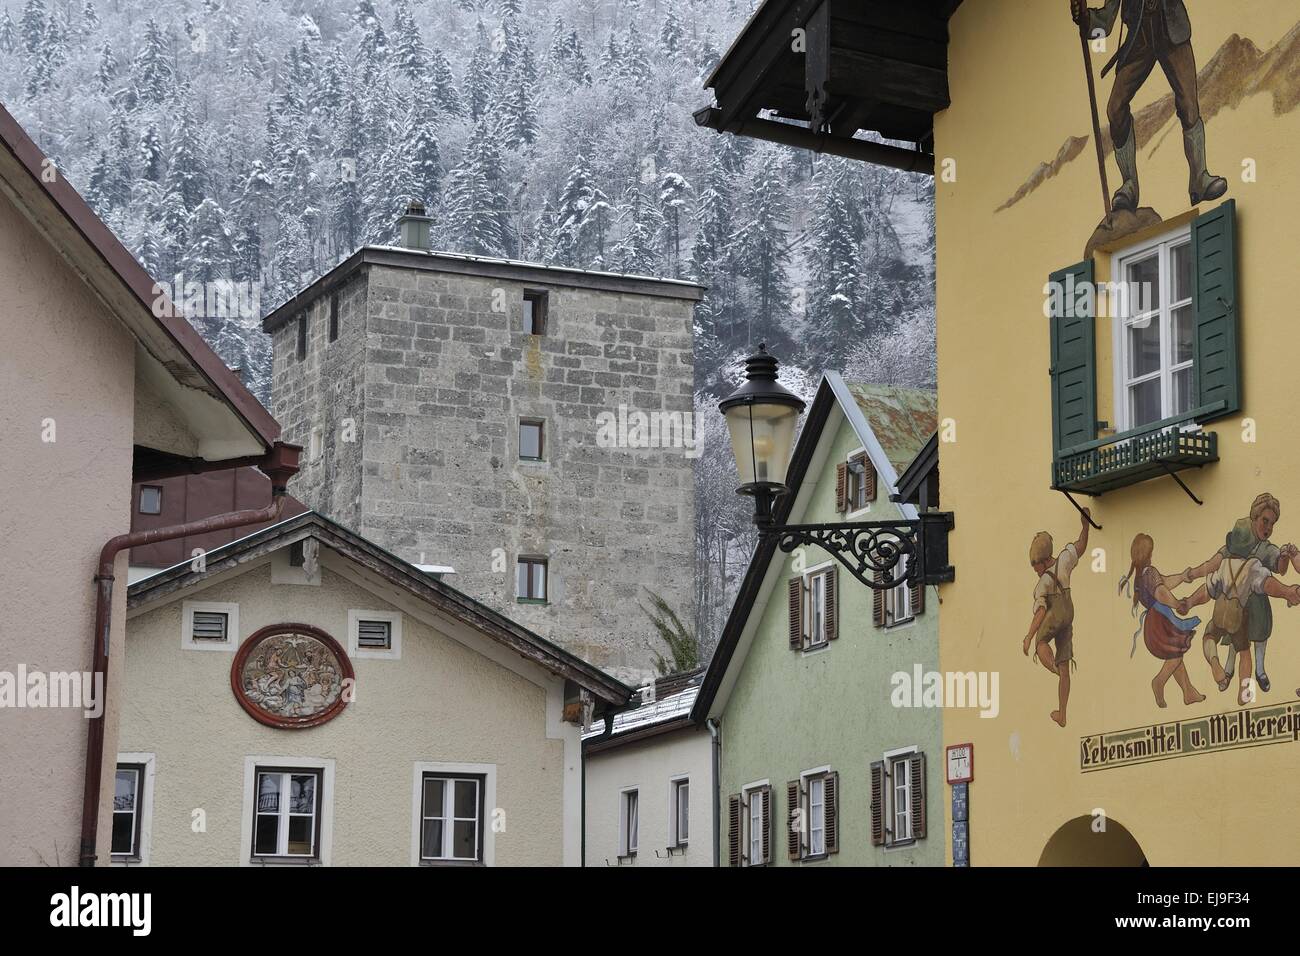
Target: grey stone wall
(438, 379)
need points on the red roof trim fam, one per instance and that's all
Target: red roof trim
(138, 281)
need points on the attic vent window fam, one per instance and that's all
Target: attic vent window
(535, 312)
(376, 635)
(210, 626)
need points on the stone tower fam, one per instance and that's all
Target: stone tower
(529, 426)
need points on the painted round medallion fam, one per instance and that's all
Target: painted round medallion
(291, 675)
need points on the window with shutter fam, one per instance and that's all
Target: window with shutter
(733, 829)
(878, 803)
(861, 482)
(1073, 356)
(1214, 301)
(793, 820)
(842, 487)
(756, 805)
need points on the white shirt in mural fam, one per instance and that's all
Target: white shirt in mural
(1065, 564)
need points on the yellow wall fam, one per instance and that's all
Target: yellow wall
(1018, 92)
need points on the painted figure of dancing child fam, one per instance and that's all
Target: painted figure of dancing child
(1053, 620)
(1166, 635)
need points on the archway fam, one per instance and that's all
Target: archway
(1077, 843)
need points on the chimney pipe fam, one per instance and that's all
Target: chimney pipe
(413, 227)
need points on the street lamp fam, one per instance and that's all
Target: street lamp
(761, 417)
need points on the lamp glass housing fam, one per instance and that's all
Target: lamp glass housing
(762, 440)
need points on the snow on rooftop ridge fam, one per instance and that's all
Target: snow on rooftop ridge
(660, 711)
(467, 257)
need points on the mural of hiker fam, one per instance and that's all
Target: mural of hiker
(1240, 579)
(1053, 621)
(1154, 32)
(1166, 635)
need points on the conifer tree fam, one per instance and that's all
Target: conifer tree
(477, 209)
(152, 72)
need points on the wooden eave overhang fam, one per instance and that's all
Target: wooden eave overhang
(816, 73)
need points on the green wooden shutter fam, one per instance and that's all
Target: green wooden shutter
(1074, 357)
(1214, 301)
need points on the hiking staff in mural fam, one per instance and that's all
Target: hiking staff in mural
(1166, 635)
(1053, 621)
(1154, 31)
(1240, 579)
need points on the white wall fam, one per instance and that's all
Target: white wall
(650, 765)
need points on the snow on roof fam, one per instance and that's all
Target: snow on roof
(525, 263)
(662, 710)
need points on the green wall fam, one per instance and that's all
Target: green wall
(790, 711)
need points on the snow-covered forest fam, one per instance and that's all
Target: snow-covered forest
(263, 141)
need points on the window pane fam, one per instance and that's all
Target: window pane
(432, 841)
(266, 835)
(462, 840)
(123, 833)
(683, 811)
(530, 440)
(818, 608)
(466, 798)
(539, 580)
(268, 793)
(1183, 334)
(1145, 399)
(302, 793)
(124, 792)
(1182, 267)
(150, 500)
(1143, 279)
(1144, 347)
(433, 796)
(521, 579)
(1182, 391)
(300, 832)
(529, 323)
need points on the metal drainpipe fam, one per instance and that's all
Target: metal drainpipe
(280, 465)
(715, 731)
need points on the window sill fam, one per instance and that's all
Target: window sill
(815, 648)
(524, 600)
(285, 861)
(451, 863)
(899, 625)
(817, 858)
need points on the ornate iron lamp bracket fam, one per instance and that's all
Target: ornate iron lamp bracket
(873, 550)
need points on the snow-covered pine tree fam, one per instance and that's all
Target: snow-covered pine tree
(674, 192)
(478, 74)
(152, 72)
(638, 250)
(187, 173)
(762, 249)
(834, 300)
(477, 214)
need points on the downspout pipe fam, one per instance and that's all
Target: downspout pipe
(715, 731)
(280, 464)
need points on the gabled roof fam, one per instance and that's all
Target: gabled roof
(398, 573)
(176, 360)
(902, 419)
(456, 263)
(895, 406)
(670, 710)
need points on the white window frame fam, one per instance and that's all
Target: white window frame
(1162, 246)
(810, 641)
(233, 634)
(674, 810)
(324, 808)
(394, 618)
(806, 780)
(143, 811)
(629, 825)
(891, 812)
(488, 771)
(898, 599)
(750, 837)
(853, 512)
(449, 818)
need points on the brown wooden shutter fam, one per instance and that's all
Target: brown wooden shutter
(796, 613)
(832, 604)
(842, 487)
(916, 592)
(877, 803)
(832, 797)
(793, 820)
(868, 479)
(877, 603)
(766, 795)
(916, 767)
(733, 829)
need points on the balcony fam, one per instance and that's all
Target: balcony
(1160, 448)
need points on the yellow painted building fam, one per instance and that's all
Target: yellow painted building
(1018, 197)
(1163, 404)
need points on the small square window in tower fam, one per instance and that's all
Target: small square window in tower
(531, 580)
(535, 312)
(531, 439)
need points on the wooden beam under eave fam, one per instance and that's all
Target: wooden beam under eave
(867, 76)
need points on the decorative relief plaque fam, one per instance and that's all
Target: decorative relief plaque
(291, 675)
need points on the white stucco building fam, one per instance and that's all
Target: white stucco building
(309, 698)
(650, 797)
